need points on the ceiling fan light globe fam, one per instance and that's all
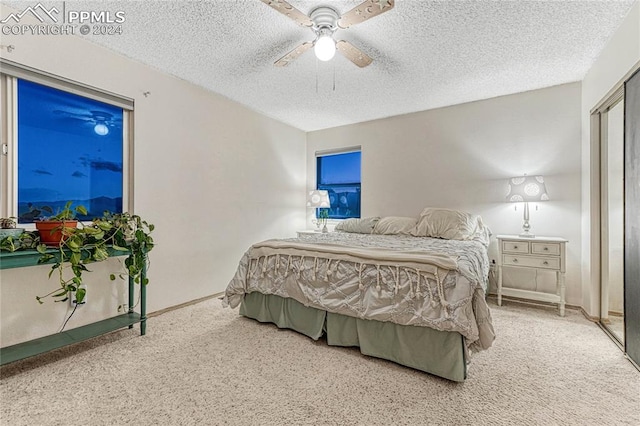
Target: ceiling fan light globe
(101, 129)
(325, 48)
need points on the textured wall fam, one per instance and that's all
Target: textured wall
(461, 157)
(212, 175)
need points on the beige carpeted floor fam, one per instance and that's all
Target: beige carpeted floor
(204, 365)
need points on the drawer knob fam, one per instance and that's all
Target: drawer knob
(515, 260)
(546, 249)
(545, 263)
(515, 247)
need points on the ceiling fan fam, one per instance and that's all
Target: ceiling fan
(100, 120)
(324, 21)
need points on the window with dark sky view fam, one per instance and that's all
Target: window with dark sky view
(70, 148)
(339, 174)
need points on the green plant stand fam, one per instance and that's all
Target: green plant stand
(26, 258)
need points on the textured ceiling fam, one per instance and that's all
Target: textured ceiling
(427, 54)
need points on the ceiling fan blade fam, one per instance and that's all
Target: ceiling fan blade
(353, 54)
(299, 50)
(365, 11)
(73, 114)
(290, 11)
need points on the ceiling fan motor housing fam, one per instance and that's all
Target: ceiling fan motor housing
(325, 20)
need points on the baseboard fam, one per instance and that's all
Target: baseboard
(183, 305)
(522, 301)
(589, 317)
(546, 305)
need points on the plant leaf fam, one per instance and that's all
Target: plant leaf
(80, 293)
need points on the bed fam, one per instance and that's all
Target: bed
(394, 287)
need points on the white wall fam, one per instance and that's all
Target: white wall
(617, 59)
(461, 157)
(213, 176)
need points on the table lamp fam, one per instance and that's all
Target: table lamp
(319, 199)
(527, 189)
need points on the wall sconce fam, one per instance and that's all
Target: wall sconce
(527, 189)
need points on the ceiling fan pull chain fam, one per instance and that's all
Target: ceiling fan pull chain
(316, 76)
(334, 76)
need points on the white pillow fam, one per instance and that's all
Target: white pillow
(394, 225)
(447, 224)
(360, 226)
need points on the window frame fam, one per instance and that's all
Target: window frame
(339, 151)
(10, 73)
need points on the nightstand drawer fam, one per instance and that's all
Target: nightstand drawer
(515, 247)
(532, 261)
(551, 249)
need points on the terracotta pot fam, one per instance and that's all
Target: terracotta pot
(50, 230)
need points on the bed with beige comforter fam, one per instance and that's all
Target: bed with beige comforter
(400, 279)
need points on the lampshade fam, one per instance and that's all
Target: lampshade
(318, 199)
(527, 189)
(325, 48)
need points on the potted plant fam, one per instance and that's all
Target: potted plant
(119, 234)
(54, 229)
(8, 228)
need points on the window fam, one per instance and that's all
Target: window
(339, 174)
(69, 148)
(65, 142)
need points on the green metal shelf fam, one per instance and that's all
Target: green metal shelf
(23, 258)
(48, 343)
(26, 258)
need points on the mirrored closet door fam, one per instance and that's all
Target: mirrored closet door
(632, 218)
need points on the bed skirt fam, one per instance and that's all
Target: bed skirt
(436, 352)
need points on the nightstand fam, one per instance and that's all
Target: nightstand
(539, 253)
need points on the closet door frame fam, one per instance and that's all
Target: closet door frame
(595, 201)
(600, 130)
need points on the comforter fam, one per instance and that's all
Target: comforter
(406, 280)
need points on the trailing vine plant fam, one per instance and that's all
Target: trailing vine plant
(25, 241)
(112, 234)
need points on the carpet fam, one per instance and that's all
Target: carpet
(205, 365)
